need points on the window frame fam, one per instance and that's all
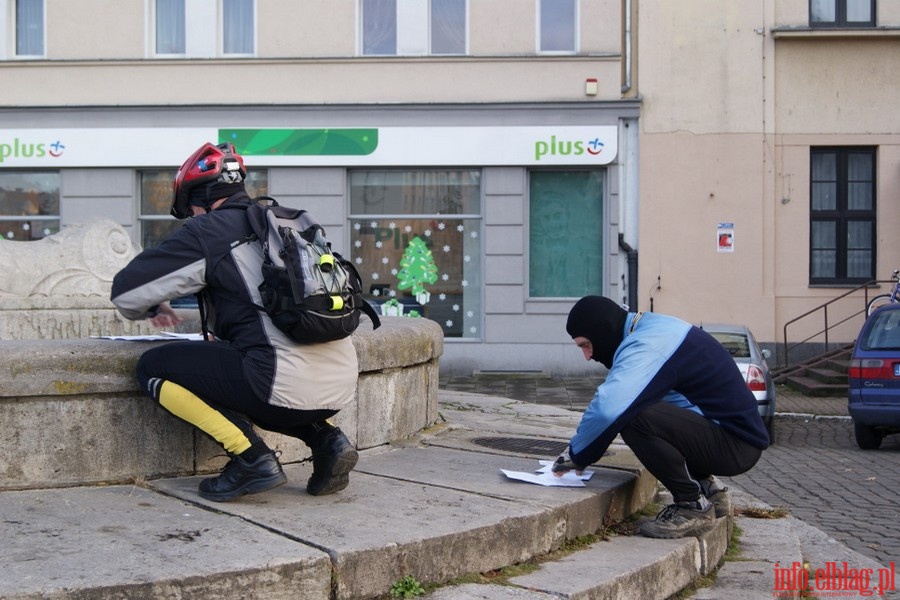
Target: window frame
(576, 30)
(842, 216)
(601, 239)
(204, 31)
(35, 217)
(470, 326)
(257, 184)
(17, 37)
(253, 31)
(840, 16)
(154, 6)
(403, 20)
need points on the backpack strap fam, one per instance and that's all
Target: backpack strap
(364, 306)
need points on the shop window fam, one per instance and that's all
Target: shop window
(29, 28)
(558, 21)
(393, 28)
(29, 204)
(156, 201)
(565, 241)
(842, 13)
(415, 238)
(842, 215)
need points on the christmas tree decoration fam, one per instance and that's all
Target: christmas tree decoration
(417, 268)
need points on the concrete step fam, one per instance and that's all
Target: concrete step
(814, 387)
(621, 567)
(435, 508)
(828, 375)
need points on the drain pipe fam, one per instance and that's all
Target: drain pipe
(632, 271)
(626, 84)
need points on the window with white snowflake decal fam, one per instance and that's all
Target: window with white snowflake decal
(29, 204)
(416, 241)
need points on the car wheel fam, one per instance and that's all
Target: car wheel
(770, 427)
(867, 437)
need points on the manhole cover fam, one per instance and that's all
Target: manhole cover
(523, 445)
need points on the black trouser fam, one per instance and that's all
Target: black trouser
(680, 447)
(214, 372)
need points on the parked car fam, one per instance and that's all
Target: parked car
(873, 397)
(751, 360)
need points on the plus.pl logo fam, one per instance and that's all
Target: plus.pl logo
(561, 147)
(17, 149)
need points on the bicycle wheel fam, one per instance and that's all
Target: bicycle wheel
(877, 302)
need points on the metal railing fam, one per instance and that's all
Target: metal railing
(827, 325)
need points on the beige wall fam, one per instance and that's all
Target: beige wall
(702, 153)
(393, 80)
(727, 122)
(307, 54)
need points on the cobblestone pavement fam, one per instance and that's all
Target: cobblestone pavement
(815, 469)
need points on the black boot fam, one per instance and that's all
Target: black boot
(333, 459)
(241, 477)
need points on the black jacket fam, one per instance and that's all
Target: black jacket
(215, 253)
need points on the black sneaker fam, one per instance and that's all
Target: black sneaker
(333, 459)
(680, 520)
(240, 477)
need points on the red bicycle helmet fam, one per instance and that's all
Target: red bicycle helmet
(207, 166)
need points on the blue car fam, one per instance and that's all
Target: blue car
(874, 376)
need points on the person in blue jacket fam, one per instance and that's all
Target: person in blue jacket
(679, 402)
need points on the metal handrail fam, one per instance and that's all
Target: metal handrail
(824, 309)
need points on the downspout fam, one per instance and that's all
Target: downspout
(626, 85)
(632, 260)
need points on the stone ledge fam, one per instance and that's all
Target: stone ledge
(73, 414)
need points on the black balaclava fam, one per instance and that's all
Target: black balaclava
(207, 195)
(602, 322)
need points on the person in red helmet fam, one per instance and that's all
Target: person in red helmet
(251, 373)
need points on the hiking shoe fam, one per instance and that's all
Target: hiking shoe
(718, 495)
(241, 477)
(721, 501)
(333, 459)
(680, 520)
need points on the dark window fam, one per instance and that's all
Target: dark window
(842, 13)
(842, 215)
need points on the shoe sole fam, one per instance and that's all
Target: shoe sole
(340, 474)
(253, 487)
(647, 530)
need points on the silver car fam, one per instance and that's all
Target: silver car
(751, 360)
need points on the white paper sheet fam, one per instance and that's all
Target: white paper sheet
(544, 476)
(163, 335)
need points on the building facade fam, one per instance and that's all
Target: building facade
(484, 162)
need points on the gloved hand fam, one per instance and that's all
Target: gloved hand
(564, 464)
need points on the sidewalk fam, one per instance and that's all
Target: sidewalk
(436, 509)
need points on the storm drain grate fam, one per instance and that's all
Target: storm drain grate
(523, 445)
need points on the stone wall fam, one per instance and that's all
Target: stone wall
(58, 287)
(72, 413)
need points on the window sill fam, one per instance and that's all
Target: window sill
(816, 33)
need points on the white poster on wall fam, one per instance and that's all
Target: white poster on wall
(725, 237)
